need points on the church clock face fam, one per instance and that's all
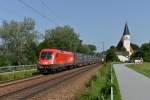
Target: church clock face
(126, 37)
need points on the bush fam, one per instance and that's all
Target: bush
(98, 88)
(111, 55)
(3, 61)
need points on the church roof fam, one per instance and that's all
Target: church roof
(120, 44)
(126, 30)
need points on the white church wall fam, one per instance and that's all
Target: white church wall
(126, 42)
(127, 45)
(123, 58)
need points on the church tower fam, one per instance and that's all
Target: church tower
(125, 40)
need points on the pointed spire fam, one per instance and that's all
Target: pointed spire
(126, 30)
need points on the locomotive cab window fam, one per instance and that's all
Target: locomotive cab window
(46, 55)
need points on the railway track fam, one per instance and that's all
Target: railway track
(19, 81)
(31, 90)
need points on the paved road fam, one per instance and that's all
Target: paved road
(133, 86)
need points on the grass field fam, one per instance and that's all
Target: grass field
(17, 74)
(99, 87)
(141, 68)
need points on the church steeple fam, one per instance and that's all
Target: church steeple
(125, 40)
(126, 30)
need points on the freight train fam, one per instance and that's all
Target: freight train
(53, 60)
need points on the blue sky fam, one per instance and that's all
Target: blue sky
(94, 20)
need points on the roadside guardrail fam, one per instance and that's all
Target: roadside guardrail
(16, 68)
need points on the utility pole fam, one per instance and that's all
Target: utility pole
(103, 45)
(103, 49)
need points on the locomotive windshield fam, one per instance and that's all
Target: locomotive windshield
(46, 55)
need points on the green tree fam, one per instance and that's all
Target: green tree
(83, 48)
(135, 47)
(92, 48)
(3, 60)
(44, 44)
(111, 54)
(145, 50)
(63, 38)
(19, 46)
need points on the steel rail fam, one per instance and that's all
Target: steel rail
(20, 81)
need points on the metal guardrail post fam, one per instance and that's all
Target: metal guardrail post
(112, 95)
(13, 74)
(24, 70)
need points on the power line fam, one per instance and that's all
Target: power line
(36, 11)
(50, 10)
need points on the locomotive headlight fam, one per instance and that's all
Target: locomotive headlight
(45, 63)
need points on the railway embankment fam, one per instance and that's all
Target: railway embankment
(99, 86)
(69, 89)
(64, 85)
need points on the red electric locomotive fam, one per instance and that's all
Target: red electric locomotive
(52, 60)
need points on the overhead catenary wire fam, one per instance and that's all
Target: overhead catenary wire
(37, 11)
(48, 8)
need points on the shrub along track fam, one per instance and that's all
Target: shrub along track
(32, 87)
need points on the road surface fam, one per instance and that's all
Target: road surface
(133, 86)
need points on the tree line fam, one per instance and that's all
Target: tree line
(20, 45)
(142, 51)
